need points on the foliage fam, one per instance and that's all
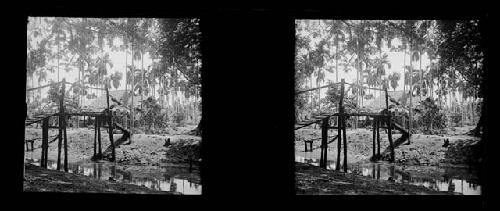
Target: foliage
(333, 99)
(178, 118)
(82, 44)
(152, 113)
(430, 115)
(116, 78)
(394, 78)
(460, 49)
(180, 47)
(54, 94)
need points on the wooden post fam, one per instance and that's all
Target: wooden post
(378, 171)
(95, 136)
(61, 120)
(373, 171)
(378, 137)
(321, 158)
(339, 142)
(63, 114)
(344, 124)
(345, 143)
(65, 147)
(374, 134)
(340, 123)
(324, 140)
(45, 141)
(110, 125)
(389, 125)
(389, 134)
(99, 135)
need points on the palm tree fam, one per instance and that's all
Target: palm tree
(116, 78)
(393, 79)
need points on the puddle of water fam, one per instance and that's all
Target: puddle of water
(387, 171)
(105, 170)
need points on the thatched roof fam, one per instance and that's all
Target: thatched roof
(100, 102)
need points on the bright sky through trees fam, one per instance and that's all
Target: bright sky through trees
(94, 52)
(395, 58)
(117, 58)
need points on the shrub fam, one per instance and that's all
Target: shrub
(430, 116)
(152, 113)
(178, 119)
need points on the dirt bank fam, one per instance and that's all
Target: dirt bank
(38, 179)
(149, 150)
(423, 150)
(312, 180)
(144, 149)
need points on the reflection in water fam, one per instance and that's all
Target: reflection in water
(392, 172)
(104, 171)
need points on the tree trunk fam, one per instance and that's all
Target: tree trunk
(337, 61)
(161, 94)
(142, 77)
(33, 86)
(312, 99)
(404, 71)
(132, 109)
(58, 58)
(126, 90)
(319, 91)
(481, 123)
(198, 128)
(421, 72)
(411, 95)
(431, 79)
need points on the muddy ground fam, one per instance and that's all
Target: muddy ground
(423, 150)
(38, 179)
(419, 159)
(141, 158)
(145, 149)
(312, 180)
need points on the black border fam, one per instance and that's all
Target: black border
(247, 93)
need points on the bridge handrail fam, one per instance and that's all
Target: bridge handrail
(47, 85)
(40, 87)
(335, 84)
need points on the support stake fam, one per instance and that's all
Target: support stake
(341, 123)
(378, 137)
(95, 137)
(99, 135)
(45, 142)
(110, 125)
(345, 143)
(65, 147)
(389, 125)
(374, 135)
(324, 140)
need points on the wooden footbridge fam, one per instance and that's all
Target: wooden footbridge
(105, 116)
(380, 120)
